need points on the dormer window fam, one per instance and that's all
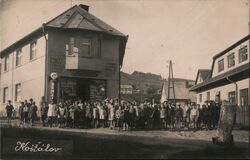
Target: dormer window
(220, 65)
(243, 54)
(230, 60)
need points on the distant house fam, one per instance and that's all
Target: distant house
(202, 75)
(228, 79)
(143, 83)
(126, 89)
(182, 94)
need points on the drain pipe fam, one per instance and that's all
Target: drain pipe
(236, 90)
(46, 64)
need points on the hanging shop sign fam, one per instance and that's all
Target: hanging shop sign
(54, 75)
(53, 87)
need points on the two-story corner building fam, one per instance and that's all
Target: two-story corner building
(75, 55)
(228, 79)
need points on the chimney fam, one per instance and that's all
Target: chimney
(85, 7)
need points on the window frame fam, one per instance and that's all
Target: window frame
(208, 96)
(89, 44)
(6, 63)
(18, 57)
(219, 61)
(99, 51)
(243, 53)
(228, 60)
(33, 51)
(200, 98)
(229, 97)
(5, 94)
(18, 93)
(242, 91)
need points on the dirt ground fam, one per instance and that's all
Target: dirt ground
(154, 144)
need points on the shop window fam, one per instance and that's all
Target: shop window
(231, 97)
(33, 51)
(18, 57)
(18, 92)
(220, 65)
(243, 54)
(5, 94)
(230, 60)
(6, 63)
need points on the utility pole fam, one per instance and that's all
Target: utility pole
(171, 82)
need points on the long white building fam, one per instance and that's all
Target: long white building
(228, 79)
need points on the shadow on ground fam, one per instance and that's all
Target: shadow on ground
(92, 146)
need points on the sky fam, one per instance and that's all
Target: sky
(188, 32)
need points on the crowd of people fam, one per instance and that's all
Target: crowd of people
(123, 116)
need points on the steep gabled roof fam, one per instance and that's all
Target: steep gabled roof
(77, 17)
(204, 73)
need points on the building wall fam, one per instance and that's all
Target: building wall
(30, 74)
(242, 114)
(236, 54)
(104, 67)
(224, 90)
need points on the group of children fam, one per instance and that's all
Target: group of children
(124, 115)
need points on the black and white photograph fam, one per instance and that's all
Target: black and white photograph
(124, 79)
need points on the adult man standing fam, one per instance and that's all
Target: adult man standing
(43, 109)
(32, 113)
(9, 110)
(178, 116)
(20, 111)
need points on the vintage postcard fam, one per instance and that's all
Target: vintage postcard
(124, 79)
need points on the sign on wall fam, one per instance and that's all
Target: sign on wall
(53, 87)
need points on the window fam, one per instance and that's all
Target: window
(208, 96)
(217, 96)
(99, 52)
(18, 92)
(6, 63)
(5, 94)
(85, 47)
(231, 97)
(18, 57)
(33, 50)
(243, 54)
(200, 98)
(244, 97)
(230, 60)
(220, 65)
(70, 48)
